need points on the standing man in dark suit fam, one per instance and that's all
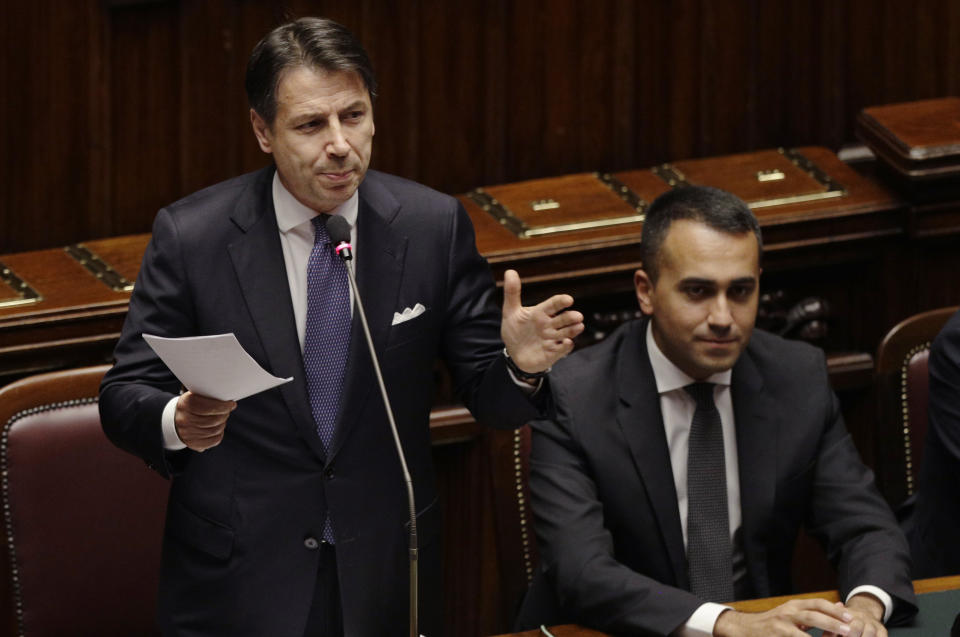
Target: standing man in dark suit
(688, 448)
(935, 523)
(287, 514)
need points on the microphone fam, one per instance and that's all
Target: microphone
(339, 231)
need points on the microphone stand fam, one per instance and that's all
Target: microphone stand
(344, 251)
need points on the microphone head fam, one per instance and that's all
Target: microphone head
(338, 229)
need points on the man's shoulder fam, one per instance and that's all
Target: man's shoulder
(598, 361)
(405, 191)
(225, 192)
(779, 357)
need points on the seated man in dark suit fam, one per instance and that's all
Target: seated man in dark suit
(936, 518)
(687, 449)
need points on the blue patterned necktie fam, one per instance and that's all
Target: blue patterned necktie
(327, 335)
(709, 550)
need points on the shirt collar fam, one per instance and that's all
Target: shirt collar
(670, 377)
(291, 213)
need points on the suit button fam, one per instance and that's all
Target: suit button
(311, 543)
(328, 473)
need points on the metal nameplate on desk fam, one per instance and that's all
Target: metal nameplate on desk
(24, 294)
(99, 268)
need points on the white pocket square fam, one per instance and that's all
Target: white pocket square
(408, 313)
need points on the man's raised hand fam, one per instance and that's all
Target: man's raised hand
(536, 337)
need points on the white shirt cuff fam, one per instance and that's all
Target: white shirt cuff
(702, 621)
(880, 594)
(171, 441)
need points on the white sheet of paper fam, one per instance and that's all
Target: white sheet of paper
(215, 366)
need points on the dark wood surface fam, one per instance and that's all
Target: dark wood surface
(919, 139)
(118, 108)
(756, 606)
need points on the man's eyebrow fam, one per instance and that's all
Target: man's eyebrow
(358, 105)
(307, 116)
(692, 280)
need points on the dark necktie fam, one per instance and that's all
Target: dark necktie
(327, 336)
(709, 551)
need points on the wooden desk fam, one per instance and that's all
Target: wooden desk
(921, 587)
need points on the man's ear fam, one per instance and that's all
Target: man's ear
(261, 130)
(645, 292)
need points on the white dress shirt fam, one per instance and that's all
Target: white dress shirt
(677, 408)
(295, 222)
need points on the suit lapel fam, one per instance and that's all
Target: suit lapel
(756, 424)
(258, 261)
(380, 257)
(641, 421)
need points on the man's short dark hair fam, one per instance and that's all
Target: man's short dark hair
(309, 42)
(713, 207)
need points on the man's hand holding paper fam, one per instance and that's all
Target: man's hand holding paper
(217, 372)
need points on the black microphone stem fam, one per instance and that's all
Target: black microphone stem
(403, 462)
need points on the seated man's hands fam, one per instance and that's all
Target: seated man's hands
(789, 619)
(867, 621)
(201, 421)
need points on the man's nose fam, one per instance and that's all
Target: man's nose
(720, 317)
(337, 144)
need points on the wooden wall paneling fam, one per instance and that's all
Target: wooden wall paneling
(99, 205)
(47, 104)
(593, 135)
(653, 74)
(801, 26)
(212, 101)
(494, 95)
(153, 91)
(15, 139)
(563, 82)
(727, 67)
(252, 21)
(451, 142)
(144, 93)
(58, 187)
(391, 35)
(526, 116)
(863, 48)
(684, 126)
(622, 102)
(949, 40)
(928, 75)
(828, 45)
(772, 62)
(899, 55)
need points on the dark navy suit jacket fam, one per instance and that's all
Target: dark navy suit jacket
(236, 555)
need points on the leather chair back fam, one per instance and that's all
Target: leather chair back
(82, 519)
(902, 382)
